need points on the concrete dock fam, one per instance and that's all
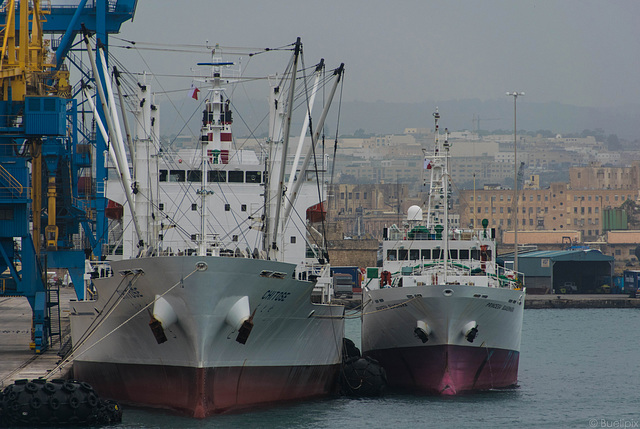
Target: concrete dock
(581, 301)
(17, 359)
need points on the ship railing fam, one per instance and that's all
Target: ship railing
(434, 265)
(454, 234)
(503, 278)
(509, 278)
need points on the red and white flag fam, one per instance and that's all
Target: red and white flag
(194, 92)
(427, 164)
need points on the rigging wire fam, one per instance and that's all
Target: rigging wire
(157, 297)
(131, 87)
(208, 47)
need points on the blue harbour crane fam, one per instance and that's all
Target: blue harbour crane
(52, 203)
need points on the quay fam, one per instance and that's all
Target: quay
(581, 301)
(17, 359)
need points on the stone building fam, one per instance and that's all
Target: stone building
(556, 208)
(596, 176)
(358, 252)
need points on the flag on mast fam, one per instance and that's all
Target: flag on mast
(194, 92)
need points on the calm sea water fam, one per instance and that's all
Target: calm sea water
(578, 368)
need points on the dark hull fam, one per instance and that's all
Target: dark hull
(201, 392)
(448, 369)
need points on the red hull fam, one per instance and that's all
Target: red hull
(200, 392)
(448, 369)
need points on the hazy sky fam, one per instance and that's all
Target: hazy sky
(579, 52)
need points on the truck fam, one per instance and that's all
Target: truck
(631, 278)
(345, 278)
(342, 285)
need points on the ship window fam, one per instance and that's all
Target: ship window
(163, 175)
(161, 206)
(426, 253)
(235, 238)
(475, 254)
(194, 176)
(236, 176)
(403, 255)
(217, 176)
(177, 175)
(436, 254)
(253, 177)
(227, 207)
(194, 207)
(464, 254)
(243, 208)
(414, 254)
(453, 253)
(293, 239)
(392, 255)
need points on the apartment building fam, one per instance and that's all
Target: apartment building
(556, 208)
(596, 176)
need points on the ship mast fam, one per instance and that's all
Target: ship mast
(445, 186)
(438, 200)
(277, 220)
(212, 125)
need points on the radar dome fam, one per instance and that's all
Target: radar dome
(414, 213)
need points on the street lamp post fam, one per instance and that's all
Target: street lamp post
(515, 96)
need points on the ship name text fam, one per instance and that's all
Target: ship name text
(500, 307)
(275, 295)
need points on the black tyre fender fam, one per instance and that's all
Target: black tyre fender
(74, 402)
(69, 387)
(54, 403)
(49, 388)
(35, 403)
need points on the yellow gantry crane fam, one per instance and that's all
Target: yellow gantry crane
(24, 71)
(39, 125)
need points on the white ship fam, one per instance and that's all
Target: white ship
(200, 316)
(443, 317)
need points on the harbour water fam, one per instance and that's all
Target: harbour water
(578, 369)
